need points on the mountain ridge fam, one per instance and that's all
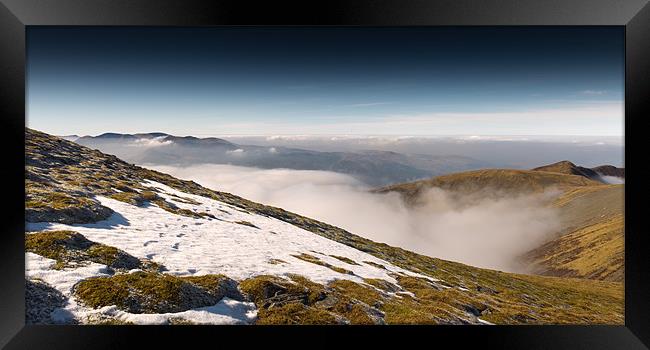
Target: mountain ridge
(595, 173)
(491, 182)
(372, 167)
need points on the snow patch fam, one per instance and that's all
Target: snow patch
(38, 267)
(484, 322)
(226, 311)
(151, 142)
(190, 246)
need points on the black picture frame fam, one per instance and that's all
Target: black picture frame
(634, 15)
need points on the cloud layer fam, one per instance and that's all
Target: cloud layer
(612, 179)
(152, 142)
(481, 231)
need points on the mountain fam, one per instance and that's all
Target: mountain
(610, 170)
(490, 182)
(589, 243)
(376, 168)
(109, 242)
(597, 173)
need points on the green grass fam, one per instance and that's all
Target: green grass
(132, 198)
(299, 301)
(246, 223)
(594, 251)
(276, 261)
(345, 260)
(264, 287)
(379, 266)
(44, 202)
(149, 195)
(295, 314)
(148, 292)
(315, 260)
(55, 200)
(70, 248)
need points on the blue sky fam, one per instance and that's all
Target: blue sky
(372, 81)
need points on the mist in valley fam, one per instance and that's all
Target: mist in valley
(486, 231)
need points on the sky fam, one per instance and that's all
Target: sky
(326, 81)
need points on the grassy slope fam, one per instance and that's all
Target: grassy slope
(56, 165)
(592, 242)
(503, 181)
(566, 167)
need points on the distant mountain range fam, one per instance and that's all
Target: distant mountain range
(375, 168)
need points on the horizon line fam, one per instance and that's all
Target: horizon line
(339, 135)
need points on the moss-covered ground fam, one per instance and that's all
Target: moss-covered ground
(317, 261)
(150, 292)
(70, 249)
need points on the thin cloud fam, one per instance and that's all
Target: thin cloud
(584, 119)
(594, 92)
(153, 142)
(369, 104)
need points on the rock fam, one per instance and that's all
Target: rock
(472, 310)
(40, 301)
(70, 215)
(329, 302)
(487, 290)
(272, 289)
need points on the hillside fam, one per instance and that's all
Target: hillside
(566, 167)
(491, 182)
(112, 243)
(596, 173)
(589, 243)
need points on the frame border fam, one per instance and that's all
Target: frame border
(15, 15)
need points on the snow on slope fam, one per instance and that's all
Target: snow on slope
(190, 246)
(226, 311)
